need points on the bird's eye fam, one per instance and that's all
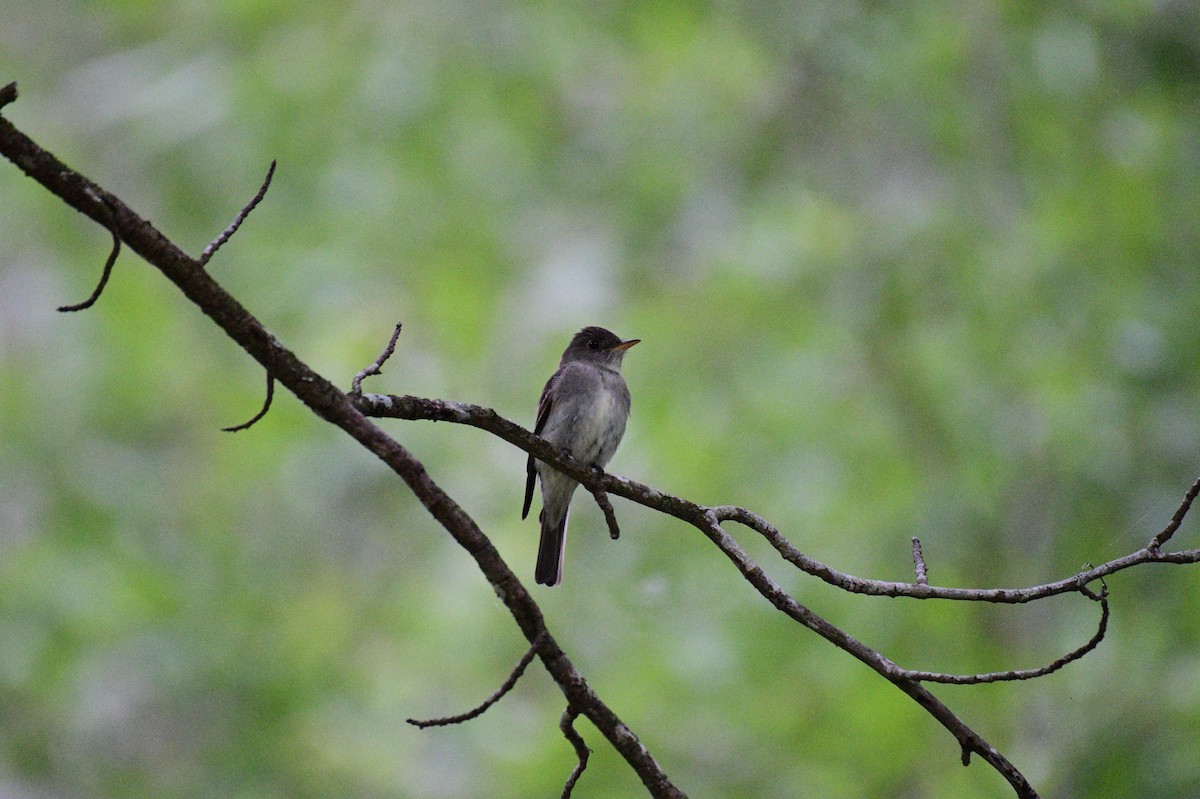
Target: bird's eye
(593, 344)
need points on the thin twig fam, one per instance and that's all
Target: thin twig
(108, 265)
(567, 725)
(1156, 543)
(8, 94)
(504, 688)
(228, 232)
(1022, 674)
(610, 516)
(859, 585)
(266, 403)
(919, 563)
(377, 367)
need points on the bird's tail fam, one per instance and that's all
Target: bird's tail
(553, 544)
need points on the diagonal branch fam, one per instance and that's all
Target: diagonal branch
(969, 741)
(325, 400)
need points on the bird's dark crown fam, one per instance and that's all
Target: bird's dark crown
(596, 344)
(595, 338)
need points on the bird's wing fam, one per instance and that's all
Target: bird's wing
(543, 413)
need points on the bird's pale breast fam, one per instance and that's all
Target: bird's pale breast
(591, 422)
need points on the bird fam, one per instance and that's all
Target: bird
(582, 411)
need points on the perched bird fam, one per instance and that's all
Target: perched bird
(583, 411)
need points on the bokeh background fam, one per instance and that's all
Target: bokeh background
(900, 269)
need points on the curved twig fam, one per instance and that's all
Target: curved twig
(108, 267)
(1176, 520)
(1021, 674)
(582, 752)
(266, 406)
(495, 697)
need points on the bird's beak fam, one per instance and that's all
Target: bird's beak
(624, 345)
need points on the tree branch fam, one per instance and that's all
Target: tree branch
(325, 400)
(419, 408)
(707, 520)
(349, 412)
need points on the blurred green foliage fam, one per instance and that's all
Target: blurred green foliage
(900, 269)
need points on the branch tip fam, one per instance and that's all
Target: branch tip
(610, 516)
(376, 368)
(228, 232)
(1176, 520)
(919, 562)
(8, 94)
